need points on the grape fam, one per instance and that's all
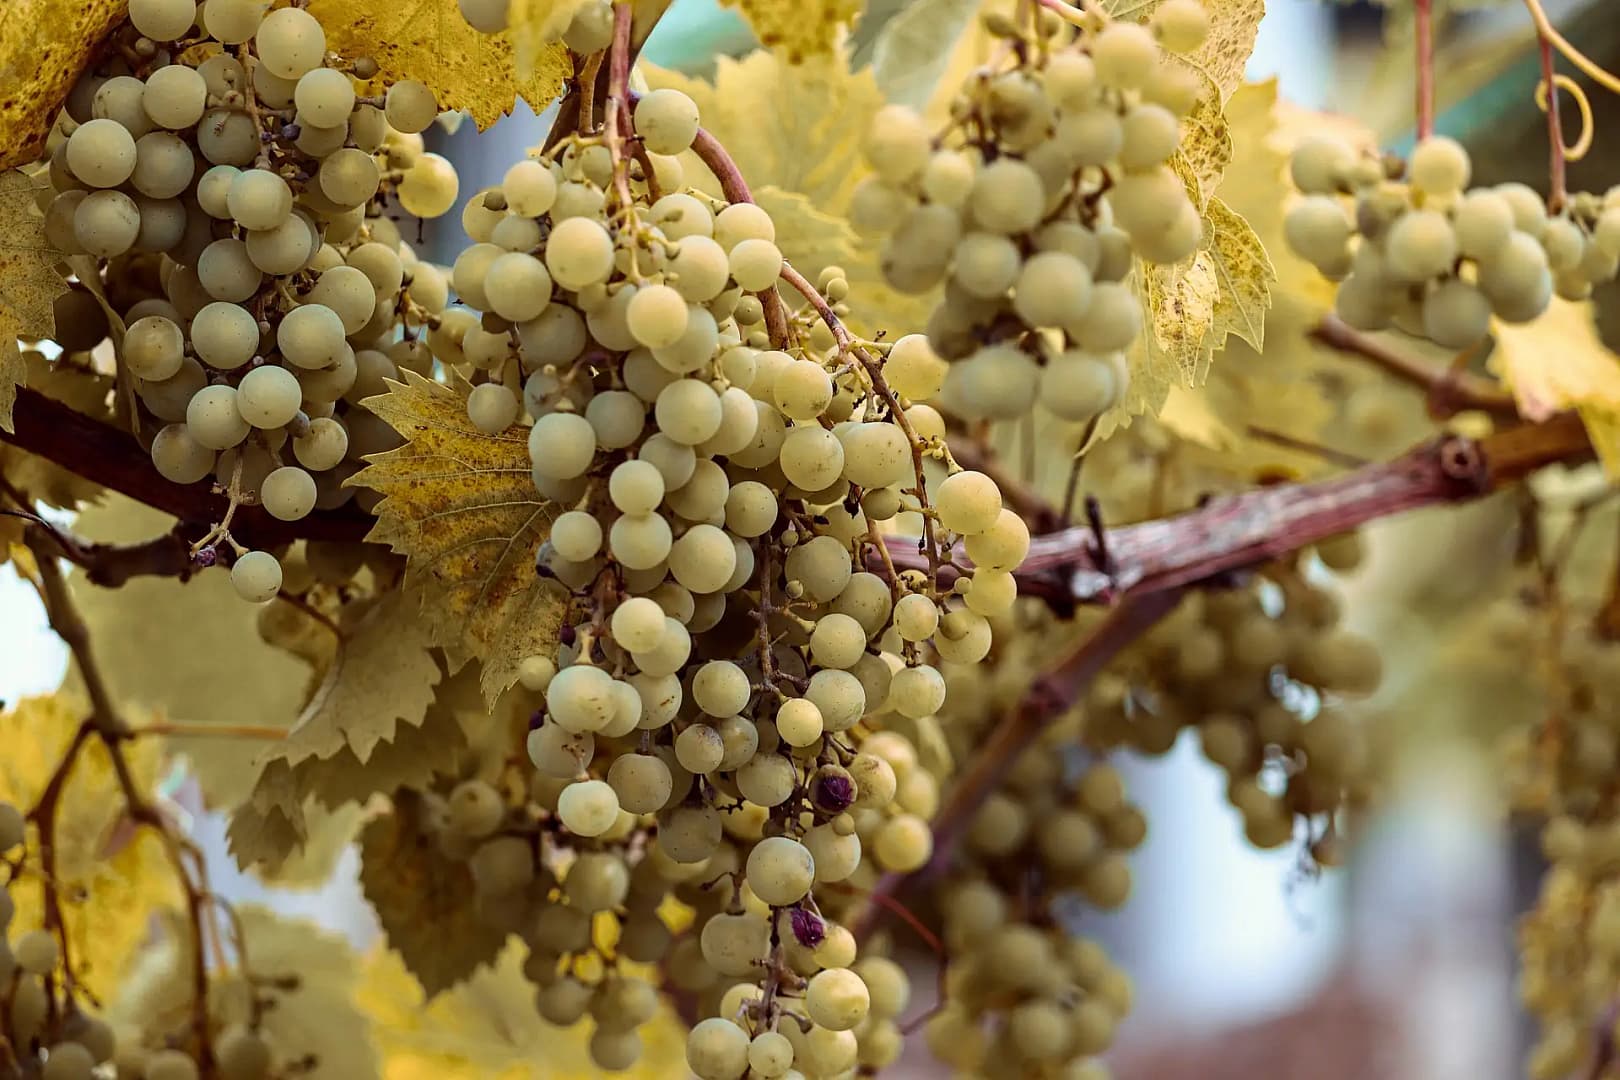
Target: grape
(562, 445)
(179, 457)
(259, 199)
(912, 368)
(475, 808)
(430, 185)
(812, 458)
(410, 106)
(324, 98)
(241, 1053)
(898, 144)
(175, 97)
(874, 205)
(1319, 230)
(1517, 275)
(968, 503)
(780, 870)
(640, 541)
(268, 396)
(739, 222)
(213, 420)
(283, 250)
(667, 121)
(699, 269)
(213, 190)
(256, 576)
(1007, 197)
(1320, 165)
(1420, 245)
(1182, 25)
(310, 336)
(349, 177)
(688, 411)
(918, 691)
(579, 253)
(656, 316)
(1125, 55)
(226, 137)
(717, 1049)
(288, 493)
(1078, 385)
(903, 844)
(751, 509)
(163, 20)
(106, 223)
(638, 624)
(232, 21)
(703, 559)
(517, 286)
(875, 454)
(153, 347)
(986, 265)
(349, 293)
(529, 188)
(1150, 135)
(226, 271)
(642, 782)
(290, 42)
(324, 446)
(1456, 315)
(1054, 289)
(803, 390)
(767, 780)
(163, 165)
(485, 16)
(755, 263)
(492, 408)
(1438, 166)
(799, 722)
(588, 807)
(170, 1064)
(837, 999)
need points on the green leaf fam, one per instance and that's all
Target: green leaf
(914, 49)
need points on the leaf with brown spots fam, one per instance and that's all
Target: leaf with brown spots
(45, 45)
(462, 507)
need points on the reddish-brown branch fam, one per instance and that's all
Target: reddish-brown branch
(1557, 181)
(1237, 532)
(104, 455)
(1449, 390)
(1424, 17)
(735, 188)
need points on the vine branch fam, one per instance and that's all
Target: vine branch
(1450, 391)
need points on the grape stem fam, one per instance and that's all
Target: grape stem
(1557, 171)
(1450, 390)
(107, 724)
(1423, 16)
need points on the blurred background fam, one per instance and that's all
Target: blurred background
(1401, 965)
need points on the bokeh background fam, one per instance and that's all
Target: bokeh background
(1401, 965)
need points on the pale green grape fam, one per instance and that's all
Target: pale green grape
(803, 390)
(175, 97)
(751, 509)
(529, 187)
(179, 457)
(1456, 315)
(985, 265)
(310, 336)
(268, 396)
(667, 121)
(642, 782)
(739, 222)
(106, 223)
(256, 576)
(153, 348)
(226, 271)
(1320, 165)
(349, 177)
(1078, 385)
(579, 253)
(1125, 54)
(1053, 289)
(492, 408)
(163, 165)
(898, 144)
(588, 807)
(485, 16)
(562, 445)
(288, 493)
(1150, 135)
(324, 447)
(780, 870)
(636, 487)
(430, 185)
(656, 316)
(688, 411)
(163, 20)
(812, 458)
(213, 420)
(1007, 197)
(324, 98)
(640, 541)
(410, 106)
(837, 999)
(1439, 166)
(517, 286)
(1420, 245)
(283, 250)
(240, 1052)
(1182, 25)
(703, 559)
(903, 844)
(799, 722)
(755, 263)
(259, 199)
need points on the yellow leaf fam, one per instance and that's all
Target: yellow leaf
(487, 1027)
(111, 878)
(1233, 25)
(1189, 414)
(461, 505)
(536, 25)
(159, 643)
(1243, 273)
(381, 674)
(425, 901)
(801, 29)
(44, 46)
(428, 40)
(11, 366)
(1206, 146)
(29, 282)
(1557, 362)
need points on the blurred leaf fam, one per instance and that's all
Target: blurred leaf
(111, 878)
(799, 29)
(44, 47)
(430, 41)
(29, 282)
(1558, 362)
(914, 49)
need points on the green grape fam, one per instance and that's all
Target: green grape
(1456, 315)
(812, 458)
(349, 293)
(717, 1049)
(780, 870)
(259, 199)
(588, 807)
(1182, 25)
(1517, 279)
(1420, 245)
(324, 98)
(875, 454)
(1564, 243)
(898, 144)
(163, 165)
(120, 99)
(529, 188)
(268, 396)
(642, 782)
(986, 265)
(1070, 80)
(1125, 55)
(410, 106)
(557, 752)
(1319, 230)
(68, 1061)
(912, 368)
(12, 831)
(153, 348)
(430, 185)
(770, 1055)
(170, 1064)
(968, 503)
(288, 493)
(1007, 197)
(1321, 165)
(755, 263)
(667, 121)
(349, 177)
(213, 420)
(947, 179)
(799, 722)
(1090, 136)
(1439, 166)
(579, 253)
(283, 250)
(310, 337)
(640, 541)
(324, 446)
(1054, 289)
(1150, 135)
(837, 641)
(475, 808)
(485, 16)
(290, 42)
(106, 223)
(175, 97)
(240, 1052)
(1078, 385)
(688, 411)
(163, 20)
(226, 137)
(837, 999)
(226, 271)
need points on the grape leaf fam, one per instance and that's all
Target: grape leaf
(914, 49)
(44, 47)
(381, 674)
(428, 40)
(1233, 25)
(1243, 274)
(111, 876)
(461, 505)
(29, 282)
(800, 29)
(1206, 147)
(162, 643)
(308, 974)
(327, 835)
(1559, 362)
(424, 900)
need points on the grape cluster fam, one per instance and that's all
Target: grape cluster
(50, 1036)
(1415, 248)
(228, 179)
(1054, 181)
